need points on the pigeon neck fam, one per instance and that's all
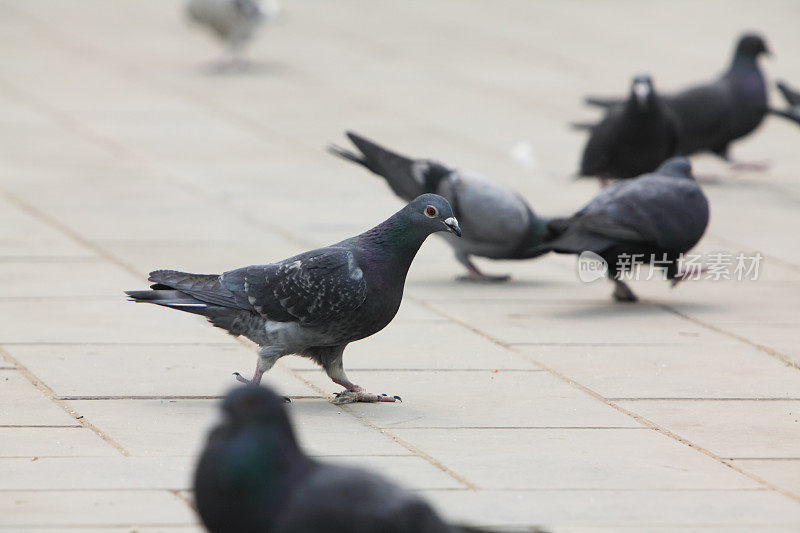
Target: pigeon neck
(397, 238)
(744, 60)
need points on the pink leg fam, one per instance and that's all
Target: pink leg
(353, 393)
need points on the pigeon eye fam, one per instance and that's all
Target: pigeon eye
(431, 211)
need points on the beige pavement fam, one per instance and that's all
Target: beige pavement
(538, 402)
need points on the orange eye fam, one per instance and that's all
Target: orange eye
(431, 211)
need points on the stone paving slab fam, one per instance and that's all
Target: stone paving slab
(600, 458)
(92, 508)
(662, 510)
(477, 400)
(22, 404)
(784, 473)
(146, 370)
(730, 370)
(730, 428)
(34, 443)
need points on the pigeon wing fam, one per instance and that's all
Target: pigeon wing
(310, 288)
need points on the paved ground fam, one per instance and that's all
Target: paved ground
(536, 402)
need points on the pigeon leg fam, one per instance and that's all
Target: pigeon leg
(477, 275)
(623, 293)
(267, 356)
(352, 393)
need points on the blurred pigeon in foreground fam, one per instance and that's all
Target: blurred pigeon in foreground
(711, 116)
(253, 477)
(659, 216)
(634, 137)
(313, 304)
(792, 98)
(497, 222)
(233, 21)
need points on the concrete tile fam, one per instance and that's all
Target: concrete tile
(106, 370)
(729, 428)
(180, 427)
(89, 473)
(783, 473)
(34, 279)
(572, 459)
(640, 510)
(41, 442)
(408, 471)
(478, 399)
(719, 370)
(22, 404)
(102, 320)
(575, 322)
(92, 508)
(23, 236)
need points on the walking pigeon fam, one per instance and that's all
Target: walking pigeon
(313, 304)
(792, 98)
(652, 219)
(713, 115)
(497, 222)
(252, 477)
(233, 21)
(634, 137)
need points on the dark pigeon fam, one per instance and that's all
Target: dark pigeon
(792, 98)
(713, 115)
(660, 216)
(633, 138)
(253, 477)
(497, 222)
(313, 304)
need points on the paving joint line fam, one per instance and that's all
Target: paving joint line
(48, 392)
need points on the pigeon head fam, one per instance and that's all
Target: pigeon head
(676, 167)
(434, 213)
(642, 92)
(254, 405)
(749, 47)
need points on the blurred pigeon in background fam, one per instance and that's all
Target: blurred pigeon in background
(711, 116)
(634, 137)
(234, 22)
(652, 219)
(792, 98)
(252, 477)
(496, 221)
(313, 304)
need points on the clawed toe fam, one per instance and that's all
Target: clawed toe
(241, 378)
(362, 396)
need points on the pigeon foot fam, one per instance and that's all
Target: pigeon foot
(360, 395)
(623, 293)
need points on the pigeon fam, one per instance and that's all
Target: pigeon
(713, 115)
(792, 98)
(253, 477)
(233, 21)
(634, 137)
(652, 219)
(497, 222)
(313, 304)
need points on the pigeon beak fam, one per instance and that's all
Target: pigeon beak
(452, 225)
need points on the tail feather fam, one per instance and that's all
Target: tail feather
(168, 298)
(601, 102)
(349, 156)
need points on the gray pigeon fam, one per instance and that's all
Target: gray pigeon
(234, 22)
(313, 304)
(713, 115)
(792, 98)
(497, 222)
(652, 219)
(253, 477)
(633, 138)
